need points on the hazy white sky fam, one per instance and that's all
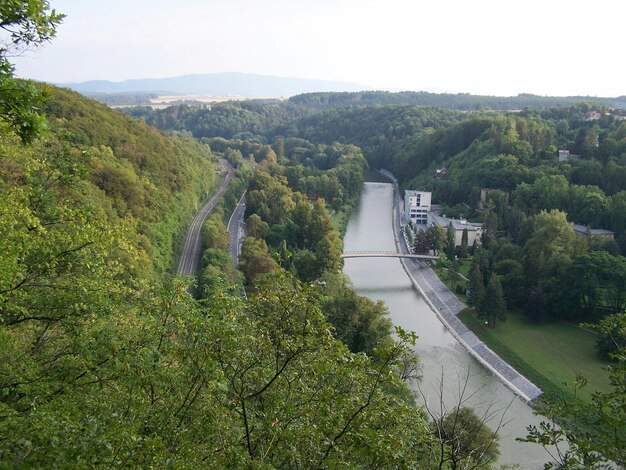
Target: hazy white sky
(495, 47)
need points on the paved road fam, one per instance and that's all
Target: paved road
(446, 306)
(190, 257)
(236, 230)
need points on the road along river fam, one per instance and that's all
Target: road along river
(370, 229)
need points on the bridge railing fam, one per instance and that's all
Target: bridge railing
(385, 254)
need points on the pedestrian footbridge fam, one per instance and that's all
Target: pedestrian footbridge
(385, 254)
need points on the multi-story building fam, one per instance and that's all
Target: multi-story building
(416, 206)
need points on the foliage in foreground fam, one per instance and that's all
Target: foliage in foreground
(163, 381)
(587, 435)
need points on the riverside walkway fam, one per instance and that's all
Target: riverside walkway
(446, 306)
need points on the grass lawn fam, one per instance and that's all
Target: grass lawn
(466, 265)
(549, 354)
(464, 269)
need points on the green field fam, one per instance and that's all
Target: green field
(549, 354)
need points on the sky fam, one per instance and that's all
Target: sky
(488, 47)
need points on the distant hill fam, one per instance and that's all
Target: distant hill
(217, 84)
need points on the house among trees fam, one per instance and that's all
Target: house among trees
(565, 156)
(484, 194)
(441, 172)
(474, 230)
(584, 231)
(592, 116)
(417, 206)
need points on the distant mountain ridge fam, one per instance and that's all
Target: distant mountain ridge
(218, 84)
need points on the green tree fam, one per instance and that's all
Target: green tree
(468, 441)
(464, 249)
(513, 281)
(257, 228)
(421, 243)
(489, 236)
(454, 276)
(214, 234)
(436, 238)
(611, 335)
(255, 259)
(359, 322)
(493, 305)
(27, 23)
(476, 286)
(536, 306)
(450, 242)
(552, 238)
(296, 397)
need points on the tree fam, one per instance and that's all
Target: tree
(437, 238)
(450, 242)
(469, 438)
(490, 227)
(359, 322)
(513, 282)
(257, 228)
(597, 282)
(454, 276)
(537, 304)
(493, 305)
(28, 23)
(464, 249)
(214, 234)
(300, 396)
(476, 286)
(552, 237)
(611, 335)
(255, 259)
(421, 244)
(462, 439)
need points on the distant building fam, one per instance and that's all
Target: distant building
(484, 193)
(582, 231)
(565, 156)
(474, 231)
(417, 206)
(441, 172)
(592, 116)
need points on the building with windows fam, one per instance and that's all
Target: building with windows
(416, 207)
(474, 231)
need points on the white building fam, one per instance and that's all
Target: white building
(416, 206)
(474, 231)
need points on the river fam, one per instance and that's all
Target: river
(370, 228)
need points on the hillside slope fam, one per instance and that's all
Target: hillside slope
(134, 171)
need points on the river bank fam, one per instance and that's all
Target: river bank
(446, 306)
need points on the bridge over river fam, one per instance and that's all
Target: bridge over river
(385, 254)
